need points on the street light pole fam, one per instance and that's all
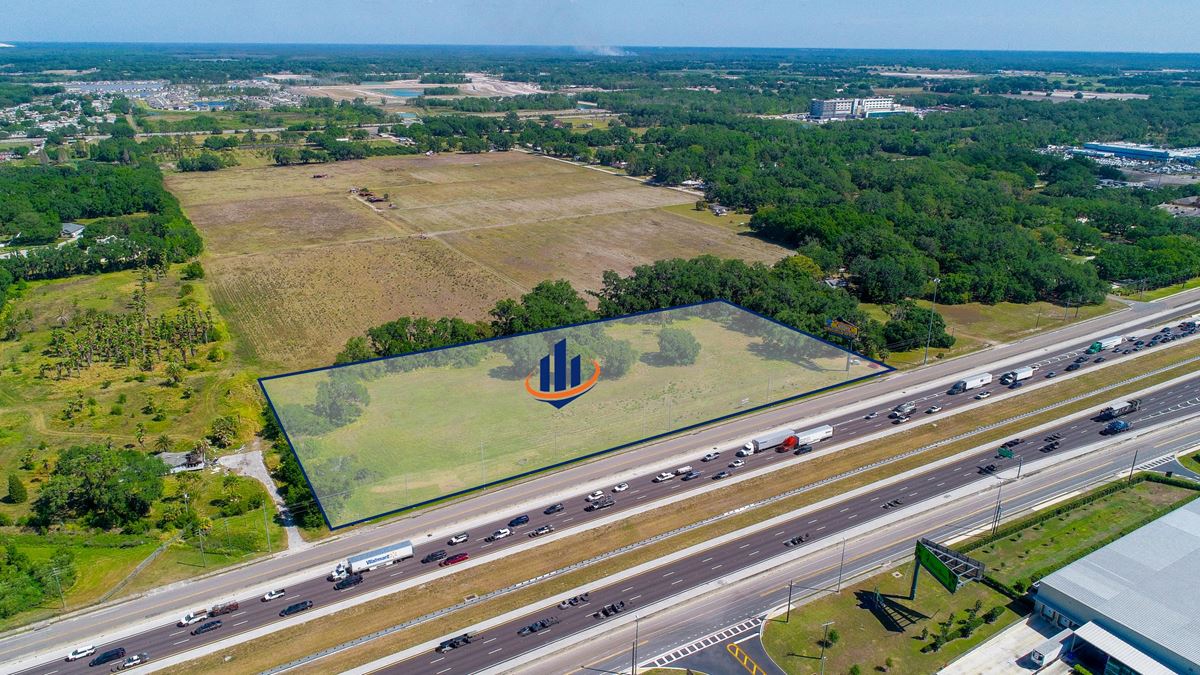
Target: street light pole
(788, 618)
(825, 641)
(841, 566)
(932, 311)
(1134, 464)
(637, 624)
(1020, 463)
(996, 518)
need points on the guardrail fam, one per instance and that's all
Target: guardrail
(708, 521)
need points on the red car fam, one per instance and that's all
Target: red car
(454, 559)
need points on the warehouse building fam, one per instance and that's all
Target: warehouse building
(842, 108)
(1134, 605)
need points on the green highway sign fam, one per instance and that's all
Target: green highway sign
(934, 565)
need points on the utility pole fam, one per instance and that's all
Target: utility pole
(825, 641)
(932, 310)
(61, 598)
(788, 617)
(1134, 464)
(203, 560)
(266, 528)
(1020, 463)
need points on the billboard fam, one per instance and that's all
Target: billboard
(388, 434)
(951, 568)
(843, 328)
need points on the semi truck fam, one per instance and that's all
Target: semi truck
(1105, 343)
(971, 382)
(765, 442)
(1119, 408)
(197, 615)
(810, 436)
(379, 557)
(903, 409)
(1022, 373)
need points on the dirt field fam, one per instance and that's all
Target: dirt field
(300, 264)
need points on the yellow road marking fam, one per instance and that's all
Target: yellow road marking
(743, 658)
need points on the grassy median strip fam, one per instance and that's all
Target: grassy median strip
(293, 643)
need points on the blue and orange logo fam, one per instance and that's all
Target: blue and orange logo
(562, 392)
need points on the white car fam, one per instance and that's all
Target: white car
(277, 593)
(933, 409)
(620, 487)
(595, 495)
(81, 652)
(500, 534)
(134, 660)
(982, 395)
(664, 476)
(737, 463)
(458, 538)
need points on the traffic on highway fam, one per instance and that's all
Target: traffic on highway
(378, 568)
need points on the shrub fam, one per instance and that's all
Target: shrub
(17, 494)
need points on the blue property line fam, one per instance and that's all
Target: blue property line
(885, 369)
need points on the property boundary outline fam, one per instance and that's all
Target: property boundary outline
(884, 370)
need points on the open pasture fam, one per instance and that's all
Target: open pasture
(300, 264)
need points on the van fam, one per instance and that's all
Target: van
(108, 656)
(683, 470)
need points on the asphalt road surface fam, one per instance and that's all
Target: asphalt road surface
(502, 643)
(162, 640)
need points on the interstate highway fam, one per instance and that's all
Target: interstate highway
(164, 640)
(502, 643)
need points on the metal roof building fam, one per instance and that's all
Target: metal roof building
(1136, 601)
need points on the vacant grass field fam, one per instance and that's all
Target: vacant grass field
(1062, 539)
(299, 264)
(976, 326)
(485, 427)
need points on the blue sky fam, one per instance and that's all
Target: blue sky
(1059, 25)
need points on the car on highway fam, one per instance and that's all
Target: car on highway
(900, 420)
(1016, 385)
(349, 582)
(872, 415)
(710, 457)
(609, 610)
(580, 599)
(434, 556)
(803, 449)
(135, 660)
(453, 643)
(81, 652)
(692, 475)
(598, 494)
(721, 474)
(194, 616)
(798, 539)
(271, 595)
(108, 657)
(600, 504)
(340, 572)
(537, 626)
(545, 529)
(620, 487)
(982, 395)
(498, 534)
(737, 464)
(1051, 374)
(458, 538)
(1083, 359)
(664, 476)
(296, 608)
(933, 409)
(1100, 359)
(553, 508)
(207, 627)
(1073, 367)
(518, 521)
(454, 559)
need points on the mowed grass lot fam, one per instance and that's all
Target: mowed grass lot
(299, 264)
(1062, 539)
(431, 432)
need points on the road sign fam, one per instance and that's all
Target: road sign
(1006, 452)
(839, 327)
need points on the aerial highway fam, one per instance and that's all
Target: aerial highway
(503, 643)
(164, 638)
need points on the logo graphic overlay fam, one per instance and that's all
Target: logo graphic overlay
(567, 385)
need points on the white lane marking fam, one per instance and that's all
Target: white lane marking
(668, 574)
(703, 561)
(820, 528)
(240, 623)
(743, 546)
(623, 590)
(182, 641)
(441, 658)
(852, 516)
(635, 597)
(677, 581)
(395, 573)
(809, 522)
(567, 520)
(753, 553)
(718, 566)
(177, 633)
(489, 640)
(498, 649)
(443, 671)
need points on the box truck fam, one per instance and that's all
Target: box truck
(1105, 343)
(971, 382)
(1022, 373)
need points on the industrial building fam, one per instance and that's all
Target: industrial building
(1143, 152)
(842, 108)
(1134, 605)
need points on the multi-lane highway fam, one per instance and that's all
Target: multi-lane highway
(502, 643)
(160, 640)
